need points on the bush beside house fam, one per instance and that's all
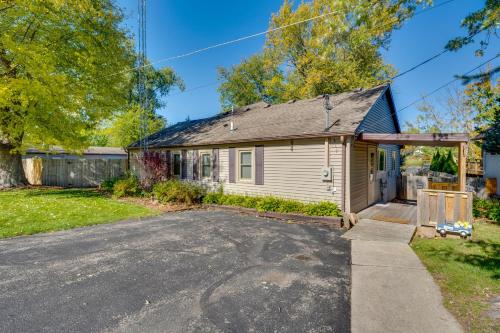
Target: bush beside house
(175, 191)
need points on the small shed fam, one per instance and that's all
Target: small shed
(58, 167)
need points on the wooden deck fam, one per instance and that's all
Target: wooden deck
(404, 213)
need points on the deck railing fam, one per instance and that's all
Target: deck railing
(437, 206)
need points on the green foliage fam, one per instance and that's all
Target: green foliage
(484, 97)
(467, 272)
(125, 128)
(273, 204)
(268, 204)
(126, 187)
(107, 185)
(322, 209)
(125, 125)
(444, 162)
(483, 20)
(486, 208)
(449, 164)
(61, 70)
(176, 191)
(334, 54)
(30, 211)
(436, 163)
(494, 213)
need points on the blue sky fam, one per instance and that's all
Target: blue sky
(179, 26)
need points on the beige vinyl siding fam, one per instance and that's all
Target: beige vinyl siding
(380, 120)
(290, 170)
(359, 176)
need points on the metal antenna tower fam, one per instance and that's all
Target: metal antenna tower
(141, 77)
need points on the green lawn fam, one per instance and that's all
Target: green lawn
(468, 273)
(30, 211)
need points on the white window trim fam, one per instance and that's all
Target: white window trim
(385, 159)
(200, 166)
(238, 164)
(177, 152)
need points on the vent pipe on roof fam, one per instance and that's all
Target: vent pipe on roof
(328, 108)
(231, 127)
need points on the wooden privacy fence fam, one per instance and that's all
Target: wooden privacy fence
(72, 172)
(408, 185)
(435, 206)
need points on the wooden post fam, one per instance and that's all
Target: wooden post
(347, 176)
(462, 169)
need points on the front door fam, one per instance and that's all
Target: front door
(372, 175)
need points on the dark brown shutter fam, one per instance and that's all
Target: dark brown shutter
(259, 165)
(215, 164)
(195, 164)
(232, 157)
(184, 165)
(168, 165)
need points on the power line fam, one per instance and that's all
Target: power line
(436, 90)
(385, 117)
(373, 28)
(240, 39)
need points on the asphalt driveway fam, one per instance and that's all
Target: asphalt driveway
(193, 271)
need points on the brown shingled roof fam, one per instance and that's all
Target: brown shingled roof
(261, 122)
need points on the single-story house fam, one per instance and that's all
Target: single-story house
(58, 167)
(310, 150)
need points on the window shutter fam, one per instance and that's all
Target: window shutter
(215, 164)
(168, 165)
(232, 157)
(195, 165)
(184, 166)
(259, 165)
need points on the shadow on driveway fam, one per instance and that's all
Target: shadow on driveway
(193, 271)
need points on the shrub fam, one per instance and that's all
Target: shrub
(290, 206)
(486, 208)
(126, 187)
(323, 208)
(494, 212)
(213, 198)
(108, 185)
(273, 204)
(176, 191)
(268, 204)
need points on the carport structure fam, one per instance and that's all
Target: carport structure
(433, 205)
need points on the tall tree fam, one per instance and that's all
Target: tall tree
(61, 72)
(335, 53)
(124, 128)
(484, 98)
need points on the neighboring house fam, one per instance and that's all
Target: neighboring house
(60, 168)
(293, 150)
(491, 165)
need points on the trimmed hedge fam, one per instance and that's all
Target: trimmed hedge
(273, 204)
(487, 208)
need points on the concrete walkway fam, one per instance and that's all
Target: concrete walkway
(391, 289)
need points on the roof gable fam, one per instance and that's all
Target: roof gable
(263, 122)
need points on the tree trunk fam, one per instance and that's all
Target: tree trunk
(11, 168)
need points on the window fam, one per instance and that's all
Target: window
(177, 164)
(393, 160)
(206, 165)
(245, 165)
(381, 160)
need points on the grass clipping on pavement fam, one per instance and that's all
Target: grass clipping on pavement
(468, 272)
(30, 211)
